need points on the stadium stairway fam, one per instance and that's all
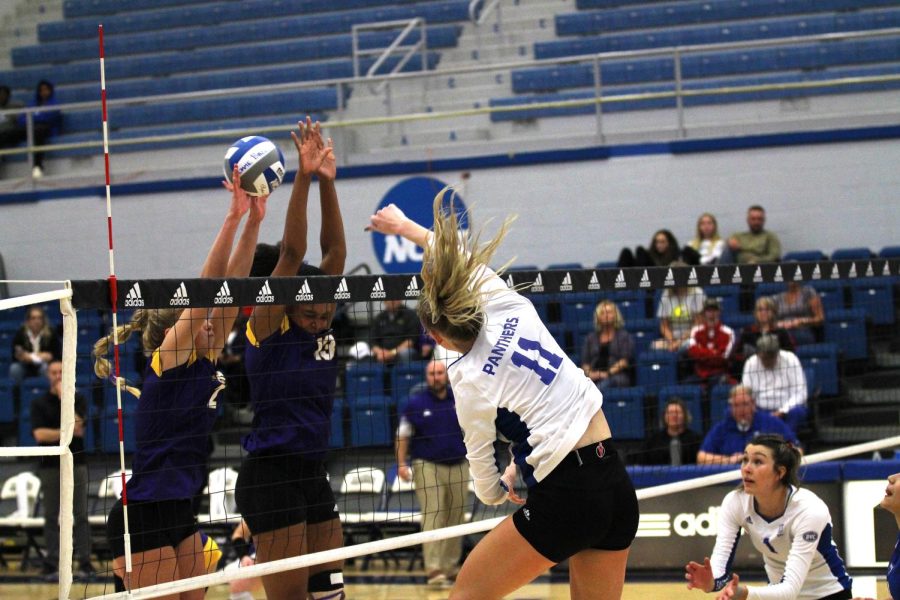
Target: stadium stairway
(508, 38)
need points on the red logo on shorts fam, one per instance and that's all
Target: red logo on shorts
(601, 451)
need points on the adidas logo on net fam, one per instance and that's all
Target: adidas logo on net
(594, 283)
(566, 285)
(378, 290)
(180, 297)
(538, 285)
(412, 290)
(343, 290)
(223, 296)
(133, 298)
(304, 294)
(265, 295)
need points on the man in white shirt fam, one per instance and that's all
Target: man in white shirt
(778, 383)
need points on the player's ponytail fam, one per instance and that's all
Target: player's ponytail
(151, 323)
(450, 301)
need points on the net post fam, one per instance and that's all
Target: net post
(67, 430)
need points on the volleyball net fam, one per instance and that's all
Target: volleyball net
(668, 347)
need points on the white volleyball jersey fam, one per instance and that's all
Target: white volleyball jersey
(516, 382)
(801, 559)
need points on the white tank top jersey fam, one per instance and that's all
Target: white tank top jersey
(516, 383)
(801, 559)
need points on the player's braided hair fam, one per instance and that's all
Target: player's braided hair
(151, 323)
(452, 273)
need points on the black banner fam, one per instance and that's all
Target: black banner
(173, 293)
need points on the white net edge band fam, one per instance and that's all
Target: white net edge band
(394, 543)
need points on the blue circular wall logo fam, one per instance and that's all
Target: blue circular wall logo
(414, 196)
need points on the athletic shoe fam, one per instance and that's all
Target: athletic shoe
(437, 578)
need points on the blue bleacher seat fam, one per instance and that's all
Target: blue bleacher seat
(823, 360)
(7, 406)
(727, 295)
(656, 369)
(812, 383)
(624, 410)
(737, 321)
(109, 434)
(847, 329)
(876, 298)
(643, 331)
(575, 311)
(404, 378)
(768, 289)
(851, 253)
(804, 255)
(370, 423)
(890, 252)
(831, 294)
(718, 401)
(363, 380)
(691, 395)
(632, 305)
(565, 266)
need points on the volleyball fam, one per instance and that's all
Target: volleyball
(260, 164)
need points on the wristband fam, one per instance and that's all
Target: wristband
(241, 547)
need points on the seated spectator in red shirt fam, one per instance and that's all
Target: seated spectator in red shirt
(710, 345)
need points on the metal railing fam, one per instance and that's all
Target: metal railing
(480, 10)
(395, 47)
(341, 84)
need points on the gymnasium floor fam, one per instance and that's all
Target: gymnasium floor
(372, 586)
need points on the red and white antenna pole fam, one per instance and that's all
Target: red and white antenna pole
(113, 299)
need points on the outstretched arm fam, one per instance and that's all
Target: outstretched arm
(331, 237)
(390, 220)
(178, 343)
(240, 262)
(266, 319)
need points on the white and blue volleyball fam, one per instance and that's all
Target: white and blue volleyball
(260, 164)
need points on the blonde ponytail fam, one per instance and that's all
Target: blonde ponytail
(151, 323)
(451, 300)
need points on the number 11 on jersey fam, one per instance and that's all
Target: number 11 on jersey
(523, 361)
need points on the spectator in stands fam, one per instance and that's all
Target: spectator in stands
(707, 247)
(756, 245)
(726, 440)
(608, 352)
(679, 310)
(710, 345)
(777, 381)
(662, 251)
(10, 131)
(800, 311)
(675, 444)
(34, 346)
(46, 425)
(395, 333)
(766, 315)
(430, 435)
(47, 122)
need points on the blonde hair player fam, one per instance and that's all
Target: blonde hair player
(514, 380)
(788, 525)
(175, 415)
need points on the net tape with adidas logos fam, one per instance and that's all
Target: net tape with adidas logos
(173, 293)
